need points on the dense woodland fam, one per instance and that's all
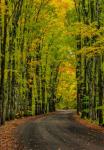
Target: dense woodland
(90, 59)
(32, 41)
(51, 56)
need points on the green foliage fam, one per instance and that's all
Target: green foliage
(33, 46)
(86, 27)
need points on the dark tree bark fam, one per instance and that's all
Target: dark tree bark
(3, 49)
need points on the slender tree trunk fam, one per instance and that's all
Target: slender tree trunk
(3, 48)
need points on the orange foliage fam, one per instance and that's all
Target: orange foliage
(68, 70)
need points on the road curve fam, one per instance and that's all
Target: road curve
(58, 132)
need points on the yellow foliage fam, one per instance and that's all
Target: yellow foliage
(2, 7)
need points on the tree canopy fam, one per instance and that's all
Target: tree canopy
(51, 56)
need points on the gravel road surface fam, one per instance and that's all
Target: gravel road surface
(58, 132)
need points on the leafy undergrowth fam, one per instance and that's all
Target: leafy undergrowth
(89, 124)
(7, 133)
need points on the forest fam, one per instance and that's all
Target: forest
(51, 57)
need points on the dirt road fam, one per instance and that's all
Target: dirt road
(58, 132)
